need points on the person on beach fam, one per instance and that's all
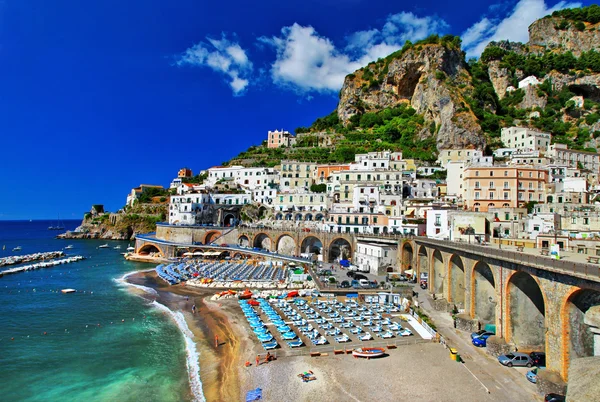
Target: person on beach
(257, 361)
(216, 341)
(194, 309)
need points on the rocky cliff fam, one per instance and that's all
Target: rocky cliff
(559, 34)
(428, 77)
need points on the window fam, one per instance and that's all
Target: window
(477, 184)
(491, 195)
(477, 195)
(476, 173)
(506, 196)
(505, 184)
(574, 220)
(491, 172)
(491, 184)
(586, 221)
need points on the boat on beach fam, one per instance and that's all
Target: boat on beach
(368, 352)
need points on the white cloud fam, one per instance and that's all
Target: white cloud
(223, 56)
(307, 61)
(512, 27)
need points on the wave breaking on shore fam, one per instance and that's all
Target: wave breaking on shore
(123, 281)
(192, 354)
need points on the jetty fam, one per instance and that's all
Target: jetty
(21, 259)
(44, 264)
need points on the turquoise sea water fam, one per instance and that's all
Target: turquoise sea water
(140, 359)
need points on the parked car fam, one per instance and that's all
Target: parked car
(324, 272)
(344, 285)
(364, 283)
(538, 358)
(532, 374)
(355, 284)
(360, 276)
(515, 359)
(479, 333)
(554, 398)
(350, 274)
(373, 284)
(481, 341)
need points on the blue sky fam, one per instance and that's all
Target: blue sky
(98, 97)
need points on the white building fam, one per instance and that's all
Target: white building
(438, 224)
(256, 177)
(457, 155)
(539, 224)
(454, 178)
(504, 152)
(529, 81)
(428, 170)
(523, 138)
(375, 258)
(575, 159)
(218, 173)
(264, 196)
(375, 160)
(186, 209)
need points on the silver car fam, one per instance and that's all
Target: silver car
(515, 359)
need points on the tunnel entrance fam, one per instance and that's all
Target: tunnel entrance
(407, 257)
(339, 249)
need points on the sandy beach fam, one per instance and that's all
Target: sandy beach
(422, 372)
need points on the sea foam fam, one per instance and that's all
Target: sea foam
(123, 281)
(191, 353)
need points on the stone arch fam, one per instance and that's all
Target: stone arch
(319, 217)
(308, 217)
(437, 277)
(311, 244)
(422, 261)
(407, 256)
(229, 220)
(243, 241)
(483, 293)
(262, 241)
(289, 216)
(456, 281)
(148, 249)
(577, 337)
(339, 248)
(262, 212)
(286, 245)
(279, 216)
(525, 311)
(211, 236)
(298, 217)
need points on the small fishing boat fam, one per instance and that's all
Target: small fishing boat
(117, 247)
(68, 291)
(69, 247)
(368, 352)
(18, 248)
(103, 246)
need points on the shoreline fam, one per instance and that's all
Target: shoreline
(219, 373)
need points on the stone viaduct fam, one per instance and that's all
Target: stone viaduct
(534, 302)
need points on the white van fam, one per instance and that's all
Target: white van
(364, 283)
(353, 267)
(363, 268)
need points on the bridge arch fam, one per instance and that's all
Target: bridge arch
(148, 249)
(456, 281)
(577, 337)
(286, 245)
(262, 241)
(243, 241)
(525, 311)
(407, 256)
(339, 248)
(421, 261)
(483, 293)
(311, 244)
(437, 274)
(211, 236)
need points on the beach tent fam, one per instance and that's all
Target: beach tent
(254, 395)
(345, 263)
